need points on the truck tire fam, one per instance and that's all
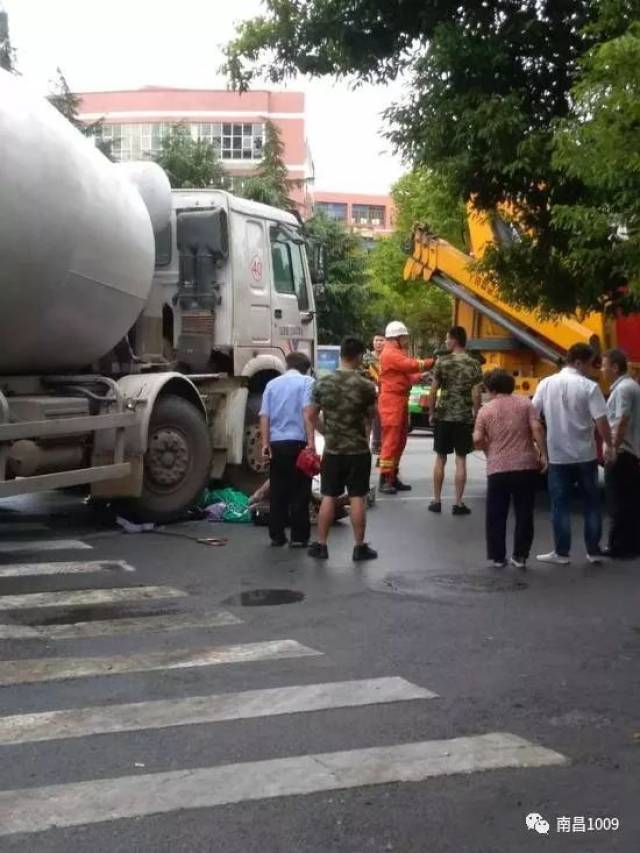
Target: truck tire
(252, 444)
(177, 462)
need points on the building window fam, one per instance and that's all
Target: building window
(231, 141)
(368, 214)
(333, 209)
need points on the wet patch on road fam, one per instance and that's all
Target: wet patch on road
(448, 585)
(264, 598)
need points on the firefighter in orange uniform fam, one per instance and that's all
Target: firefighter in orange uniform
(398, 372)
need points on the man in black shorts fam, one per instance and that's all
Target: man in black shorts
(347, 401)
(454, 403)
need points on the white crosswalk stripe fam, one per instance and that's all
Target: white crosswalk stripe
(21, 570)
(80, 803)
(55, 669)
(79, 722)
(87, 597)
(17, 545)
(119, 627)
(37, 809)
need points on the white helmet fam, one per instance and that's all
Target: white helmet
(396, 329)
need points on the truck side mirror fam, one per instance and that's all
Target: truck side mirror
(317, 253)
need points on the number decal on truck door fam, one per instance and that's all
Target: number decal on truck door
(255, 267)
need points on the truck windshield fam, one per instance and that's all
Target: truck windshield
(288, 268)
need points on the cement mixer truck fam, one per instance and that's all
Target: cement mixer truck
(138, 325)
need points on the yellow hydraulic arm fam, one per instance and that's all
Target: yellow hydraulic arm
(509, 337)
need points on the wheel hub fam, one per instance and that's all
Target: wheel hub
(168, 457)
(253, 450)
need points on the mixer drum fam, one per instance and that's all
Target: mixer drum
(76, 242)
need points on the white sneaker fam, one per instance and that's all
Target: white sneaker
(496, 564)
(596, 559)
(517, 563)
(552, 557)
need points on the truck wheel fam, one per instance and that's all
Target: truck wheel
(252, 448)
(177, 461)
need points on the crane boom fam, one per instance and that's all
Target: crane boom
(514, 338)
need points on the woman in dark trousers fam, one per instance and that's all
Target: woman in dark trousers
(509, 431)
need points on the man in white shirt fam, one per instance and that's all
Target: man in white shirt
(570, 403)
(623, 476)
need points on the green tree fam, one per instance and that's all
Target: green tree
(7, 53)
(271, 184)
(68, 103)
(424, 308)
(425, 197)
(489, 82)
(189, 162)
(343, 302)
(599, 145)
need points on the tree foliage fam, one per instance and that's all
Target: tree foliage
(424, 308)
(271, 184)
(7, 53)
(491, 99)
(343, 304)
(68, 104)
(422, 196)
(189, 162)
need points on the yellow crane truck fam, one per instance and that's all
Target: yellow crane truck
(509, 337)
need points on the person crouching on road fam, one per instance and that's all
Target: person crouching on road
(509, 431)
(346, 400)
(454, 403)
(286, 429)
(622, 475)
(398, 372)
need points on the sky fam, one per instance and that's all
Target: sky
(123, 44)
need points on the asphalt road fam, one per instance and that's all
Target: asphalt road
(419, 703)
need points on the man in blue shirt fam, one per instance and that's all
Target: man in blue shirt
(286, 429)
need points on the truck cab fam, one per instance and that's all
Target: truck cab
(256, 303)
(232, 294)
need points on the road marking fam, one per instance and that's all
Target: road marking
(14, 546)
(116, 627)
(80, 722)
(17, 632)
(85, 597)
(55, 669)
(81, 803)
(19, 570)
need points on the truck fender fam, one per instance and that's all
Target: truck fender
(259, 363)
(142, 391)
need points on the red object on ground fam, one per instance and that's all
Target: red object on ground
(308, 462)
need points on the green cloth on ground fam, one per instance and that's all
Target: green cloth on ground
(236, 503)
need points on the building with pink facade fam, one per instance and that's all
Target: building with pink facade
(369, 215)
(135, 121)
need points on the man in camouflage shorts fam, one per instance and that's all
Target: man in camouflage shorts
(347, 401)
(454, 403)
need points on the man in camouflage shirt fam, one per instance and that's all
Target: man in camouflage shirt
(454, 403)
(347, 401)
